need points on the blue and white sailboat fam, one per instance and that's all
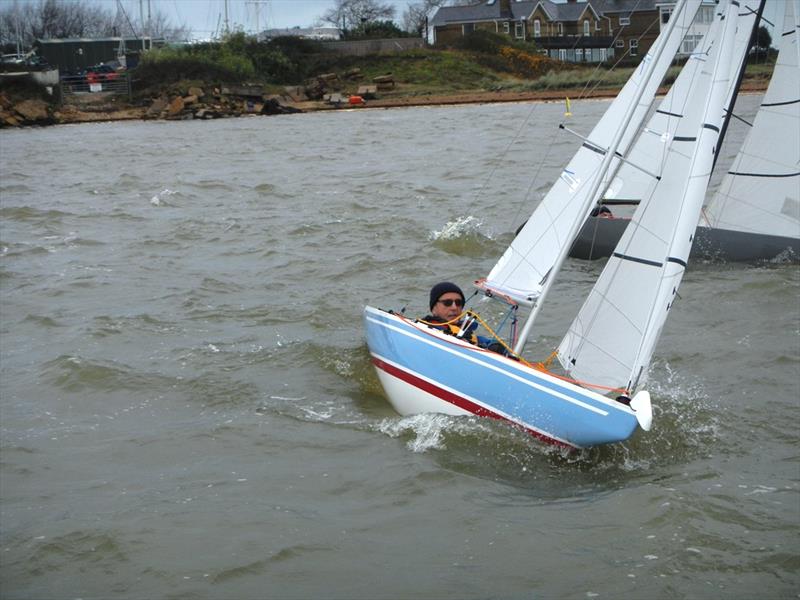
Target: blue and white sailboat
(606, 351)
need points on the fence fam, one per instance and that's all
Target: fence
(113, 83)
(364, 47)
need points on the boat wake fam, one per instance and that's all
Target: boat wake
(429, 431)
(464, 237)
(160, 199)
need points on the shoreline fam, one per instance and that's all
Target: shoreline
(70, 114)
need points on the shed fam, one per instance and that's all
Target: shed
(75, 54)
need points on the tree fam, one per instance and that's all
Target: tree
(763, 39)
(22, 23)
(349, 14)
(157, 26)
(376, 30)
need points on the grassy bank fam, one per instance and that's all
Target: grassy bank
(483, 62)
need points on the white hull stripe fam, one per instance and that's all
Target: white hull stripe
(495, 368)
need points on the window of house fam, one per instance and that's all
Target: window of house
(633, 46)
(666, 13)
(560, 29)
(467, 28)
(597, 25)
(706, 14)
(690, 42)
(537, 28)
(506, 27)
(587, 28)
(519, 30)
(620, 43)
(624, 21)
(562, 54)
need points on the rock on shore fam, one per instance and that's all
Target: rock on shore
(218, 103)
(26, 112)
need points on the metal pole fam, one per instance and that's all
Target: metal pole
(227, 27)
(141, 21)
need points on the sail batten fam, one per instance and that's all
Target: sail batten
(760, 193)
(548, 233)
(611, 340)
(650, 151)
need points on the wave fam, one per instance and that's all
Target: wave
(464, 237)
(28, 214)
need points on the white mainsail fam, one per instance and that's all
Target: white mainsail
(523, 269)
(612, 339)
(761, 191)
(649, 152)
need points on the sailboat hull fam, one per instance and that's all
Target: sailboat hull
(424, 371)
(599, 237)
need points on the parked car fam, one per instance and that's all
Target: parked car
(101, 73)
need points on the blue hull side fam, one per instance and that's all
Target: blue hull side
(487, 384)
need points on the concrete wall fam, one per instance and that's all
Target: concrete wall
(364, 47)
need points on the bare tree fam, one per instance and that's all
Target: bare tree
(22, 23)
(349, 14)
(157, 26)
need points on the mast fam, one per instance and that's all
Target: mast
(729, 111)
(227, 26)
(592, 197)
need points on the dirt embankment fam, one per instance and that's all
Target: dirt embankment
(217, 102)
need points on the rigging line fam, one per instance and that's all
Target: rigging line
(581, 96)
(489, 177)
(625, 54)
(671, 111)
(592, 319)
(739, 77)
(722, 41)
(524, 200)
(537, 366)
(738, 118)
(627, 51)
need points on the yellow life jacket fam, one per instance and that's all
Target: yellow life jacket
(453, 329)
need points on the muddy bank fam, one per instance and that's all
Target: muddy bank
(216, 102)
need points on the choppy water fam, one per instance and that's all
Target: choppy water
(188, 409)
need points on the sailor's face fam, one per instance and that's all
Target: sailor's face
(443, 311)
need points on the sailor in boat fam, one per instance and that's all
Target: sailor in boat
(602, 212)
(447, 314)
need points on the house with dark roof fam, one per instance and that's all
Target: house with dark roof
(570, 30)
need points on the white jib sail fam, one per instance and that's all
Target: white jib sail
(649, 151)
(761, 191)
(612, 339)
(523, 268)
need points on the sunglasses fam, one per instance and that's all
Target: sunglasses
(450, 302)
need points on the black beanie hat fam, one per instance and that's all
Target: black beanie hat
(443, 288)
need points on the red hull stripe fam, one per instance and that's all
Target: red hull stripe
(460, 401)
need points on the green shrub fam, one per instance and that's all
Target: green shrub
(205, 62)
(484, 42)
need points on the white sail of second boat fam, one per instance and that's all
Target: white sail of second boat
(523, 269)
(761, 191)
(612, 339)
(649, 152)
